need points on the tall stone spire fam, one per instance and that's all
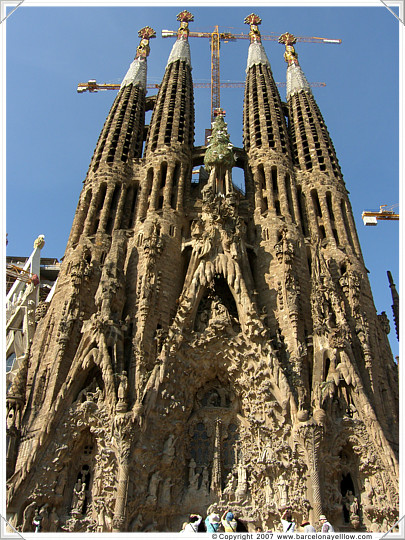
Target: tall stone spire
(313, 147)
(330, 214)
(106, 208)
(264, 124)
(172, 123)
(117, 144)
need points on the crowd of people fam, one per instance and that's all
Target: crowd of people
(230, 523)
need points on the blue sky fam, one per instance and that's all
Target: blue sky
(52, 130)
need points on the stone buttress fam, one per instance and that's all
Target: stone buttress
(80, 340)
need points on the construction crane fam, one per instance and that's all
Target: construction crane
(385, 213)
(16, 272)
(93, 86)
(216, 37)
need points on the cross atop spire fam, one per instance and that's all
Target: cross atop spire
(290, 56)
(254, 20)
(143, 48)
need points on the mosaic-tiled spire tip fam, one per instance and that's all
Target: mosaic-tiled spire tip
(181, 49)
(143, 48)
(257, 54)
(290, 56)
(254, 20)
(136, 74)
(184, 17)
(296, 80)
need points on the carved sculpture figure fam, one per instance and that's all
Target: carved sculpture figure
(79, 497)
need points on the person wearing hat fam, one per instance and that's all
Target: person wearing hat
(212, 522)
(229, 522)
(326, 526)
(308, 528)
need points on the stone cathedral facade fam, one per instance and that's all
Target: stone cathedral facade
(207, 347)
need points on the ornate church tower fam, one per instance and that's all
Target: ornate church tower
(207, 349)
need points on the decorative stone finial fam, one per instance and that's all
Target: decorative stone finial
(254, 20)
(39, 242)
(184, 17)
(290, 56)
(296, 80)
(219, 112)
(145, 34)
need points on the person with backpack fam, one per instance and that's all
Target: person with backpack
(287, 521)
(212, 523)
(193, 524)
(229, 522)
(307, 527)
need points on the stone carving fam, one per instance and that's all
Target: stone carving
(384, 321)
(122, 392)
(153, 487)
(169, 449)
(41, 310)
(165, 497)
(79, 497)
(205, 347)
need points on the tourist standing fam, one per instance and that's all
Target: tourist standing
(326, 526)
(287, 521)
(307, 527)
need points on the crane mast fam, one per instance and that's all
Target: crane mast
(215, 76)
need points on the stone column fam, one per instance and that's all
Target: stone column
(120, 207)
(310, 438)
(326, 217)
(312, 216)
(216, 473)
(258, 191)
(269, 185)
(353, 231)
(106, 207)
(154, 196)
(91, 213)
(282, 192)
(180, 187)
(80, 217)
(294, 197)
(167, 193)
(123, 437)
(143, 198)
(340, 224)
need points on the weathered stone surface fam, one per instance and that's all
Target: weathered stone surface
(204, 348)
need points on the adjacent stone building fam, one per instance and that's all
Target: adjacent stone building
(207, 348)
